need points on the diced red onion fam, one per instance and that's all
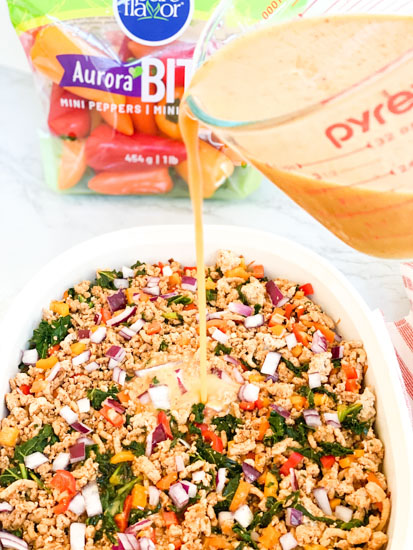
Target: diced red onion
(199, 477)
(144, 398)
(34, 460)
(249, 392)
(293, 480)
(77, 505)
(127, 333)
(67, 414)
(81, 428)
(319, 343)
(273, 377)
(97, 318)
(145, 372)
(291, 340)
(128, 272)
(343, 513)
(314, 380)
(8, 540)
(90, 493)
(6, 507)
(30, 357)
(99, 335)
(167, 271)
(128, 541)
(77, 452)
(271, 362)
(179, 463)
(283, 301)
(337, 337)
(86, 440)
(220, 336)
(232, 360)
(189, 283)
(120, 283)
(332, 419)
(250, 473)
(274, 292)
(137, 325)
(145, 543)
(136, 527)
(337, 352)
(53, 372)
(180, 380)
(312, 418)
(323, 503)
(117, 301)
(184, 443)
(148, 446)
(288, 542)
(81, 358)
(119, 376)
(122, 317)
(214, 315)
(159, 395)
(77, 534)
(83, 333)
(158, 435)
(61, 462)
(83, 405)
(116, 352)
(112, 363)
(152, 290)
(153, 495)
(225, 517)
(190, 488)
(254, 321)
(225, 377)
(153, 281)
(240, 309)
(221, 479)
(237, 376)
(293, 517)
(244, 516)
(114, 405)
(164, 296)
(280, 410)
(178, 495)
(92, 366)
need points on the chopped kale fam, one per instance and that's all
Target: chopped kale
(211, 295)
(349, 421)
(298, 371)
(207, 453)
(335, 449)
(244, 535)
(241, 295)
(228, 493)
(309, 453)
(105, 279)
(155, 381)
(227, 423)
(263, 519)
(257, 308)
(308, 393)
(47, 334)
(141, 271)
(336, 363)
(220, 349)
(163, 346)
(138, 449)
(198, 412)
(97, 396)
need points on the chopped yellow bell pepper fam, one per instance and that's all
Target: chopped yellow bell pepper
(358, 453)
(209, 284)
(269, 537)
(77, 348)
(277, 330)
(314, 547)
(123, 456)
(297, 350)
(60, 308)
(8, 436)
(48, 363)
(240, 272)
(271, 485)
(129, 294)
(139, 496)
(256, 377)
(334, 502)
(241, 495)
(299, 294)
(298, 401)
(347, 461)
(320, 399)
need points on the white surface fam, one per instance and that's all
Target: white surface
(36, 224)
(11, 52)
(282, 258)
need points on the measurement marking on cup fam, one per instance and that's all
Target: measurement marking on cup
(374, 178)
(368, 146)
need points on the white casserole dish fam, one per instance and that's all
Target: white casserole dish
(280, 257)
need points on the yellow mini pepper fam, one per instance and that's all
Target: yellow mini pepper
(48, 363)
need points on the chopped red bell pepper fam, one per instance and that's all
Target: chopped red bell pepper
(25, 388)
(112, 416)
(122, 519)
(307, 289)
(259, 403)
(328, 461)
(169, 518)
(292, 462)
(54, 349)
(289, 308)
(300, 334)
(163, 419)
(247, 406)
(352, 385)
(349, 371)
(212, 437)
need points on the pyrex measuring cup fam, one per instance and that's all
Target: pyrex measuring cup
(348, 158)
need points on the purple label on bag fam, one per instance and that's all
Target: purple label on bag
(101, 73)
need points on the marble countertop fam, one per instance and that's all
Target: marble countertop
(36, 224)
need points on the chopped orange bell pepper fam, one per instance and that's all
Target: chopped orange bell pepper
(270, 537)
(264, 426)
(164, 483)
(258, 271)
(112, 416)
(139, 496)
(240, 496)
(328, 333)
(216, 541)
(169, 518)
(60, 308)
(9, 436)
(153, 328)
(48, 363)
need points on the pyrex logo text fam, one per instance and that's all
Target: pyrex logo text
(153, 22)
(396, 104)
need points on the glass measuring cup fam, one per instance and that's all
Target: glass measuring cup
(347, 158)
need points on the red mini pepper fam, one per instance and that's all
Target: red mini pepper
(328, 461)
(67, 121)
(292, 462)
(122, 519)
(307, 289)
(163, 419)
(107, 149)
(212, 437)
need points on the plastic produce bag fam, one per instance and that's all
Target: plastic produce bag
(111, 76)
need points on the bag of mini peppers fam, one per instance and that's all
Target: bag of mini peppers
(112, 103)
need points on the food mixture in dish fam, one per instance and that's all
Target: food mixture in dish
(106, 444)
